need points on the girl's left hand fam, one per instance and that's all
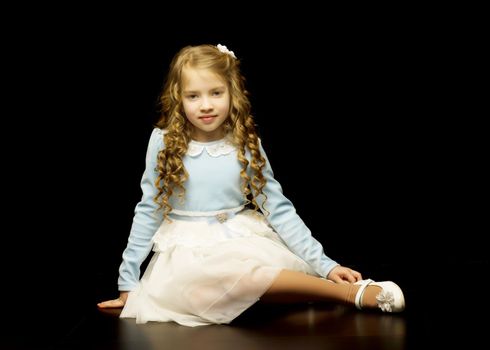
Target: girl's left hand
(342, 274)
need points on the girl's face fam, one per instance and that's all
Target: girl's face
(206, 101)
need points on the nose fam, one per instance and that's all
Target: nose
(206, 104)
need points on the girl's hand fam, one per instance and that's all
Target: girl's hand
(341, 274)
(114, 303)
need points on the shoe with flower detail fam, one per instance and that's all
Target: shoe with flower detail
(390, 299)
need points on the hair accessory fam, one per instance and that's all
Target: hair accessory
(224, 49)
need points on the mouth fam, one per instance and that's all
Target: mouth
(207, 118)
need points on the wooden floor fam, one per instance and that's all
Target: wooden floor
(307, 326)
(263, 327)
(440, 313)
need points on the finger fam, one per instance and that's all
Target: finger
(115, 303)
(103, 305)
(357, 275)
(344, 280)
(350, 278)
(337, 279)
(111, 304)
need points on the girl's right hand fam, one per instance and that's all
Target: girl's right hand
(114, 303)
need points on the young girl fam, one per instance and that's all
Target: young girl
(223, 234)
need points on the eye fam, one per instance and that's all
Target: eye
(192, 96)
(217, 93)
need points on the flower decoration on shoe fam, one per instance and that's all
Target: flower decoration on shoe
(386, 301)
(224, 49)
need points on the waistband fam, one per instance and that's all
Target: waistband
(220, 215)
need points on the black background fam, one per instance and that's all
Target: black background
(372, 125)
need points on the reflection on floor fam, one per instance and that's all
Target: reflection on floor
(261, 327)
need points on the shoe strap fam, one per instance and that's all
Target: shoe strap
(363, 284)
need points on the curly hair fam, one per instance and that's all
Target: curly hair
(240, 125)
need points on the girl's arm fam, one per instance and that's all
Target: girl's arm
(146, 219)
(287, 223)
(145, 224)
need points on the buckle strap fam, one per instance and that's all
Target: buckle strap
(360, 292)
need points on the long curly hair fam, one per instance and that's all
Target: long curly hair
(240, 125)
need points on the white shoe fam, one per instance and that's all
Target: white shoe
(390, 299)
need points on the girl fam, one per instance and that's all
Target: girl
(223, 234)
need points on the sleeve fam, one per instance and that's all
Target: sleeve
(290, 227)
(146, 220)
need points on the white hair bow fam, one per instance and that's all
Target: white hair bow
(224, 49)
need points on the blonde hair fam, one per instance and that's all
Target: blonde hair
(240, 125)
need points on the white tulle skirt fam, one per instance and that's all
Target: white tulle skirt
(207, 271)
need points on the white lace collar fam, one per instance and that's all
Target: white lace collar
(214, 148)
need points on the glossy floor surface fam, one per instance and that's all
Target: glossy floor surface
(433, 319)
(262, 327)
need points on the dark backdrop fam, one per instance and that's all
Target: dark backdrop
(370, 127)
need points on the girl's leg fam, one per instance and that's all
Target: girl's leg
(293, 286)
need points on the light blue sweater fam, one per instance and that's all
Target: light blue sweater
(213, 185)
